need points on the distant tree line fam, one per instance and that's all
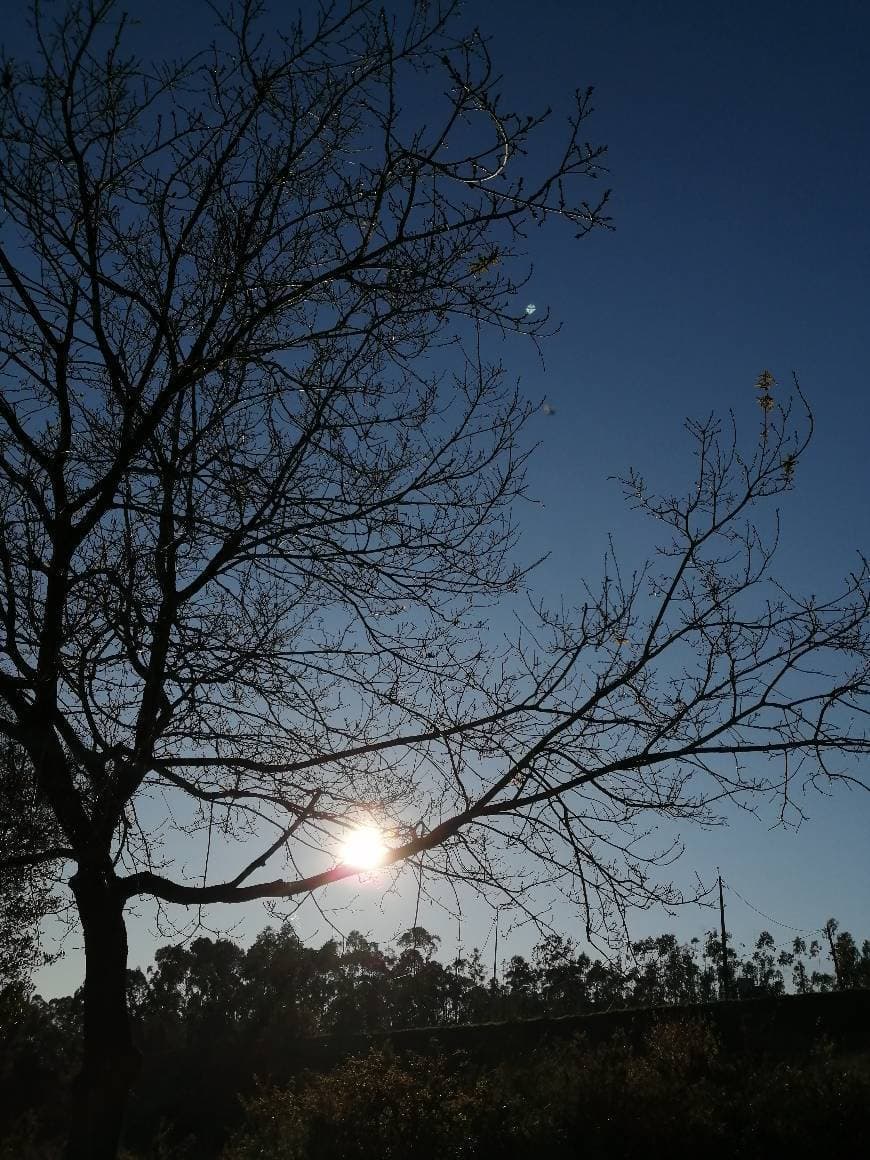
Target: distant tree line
(356, 985)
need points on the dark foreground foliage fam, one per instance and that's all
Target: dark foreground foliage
(676, 1094)
(211, 1016)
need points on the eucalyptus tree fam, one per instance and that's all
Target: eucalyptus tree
(256, 487)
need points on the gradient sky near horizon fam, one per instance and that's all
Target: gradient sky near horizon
(739, 157)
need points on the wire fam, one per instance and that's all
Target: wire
(488, 936)
(775, 921)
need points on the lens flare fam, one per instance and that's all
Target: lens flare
(364, 848)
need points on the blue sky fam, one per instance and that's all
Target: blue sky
(738, 156)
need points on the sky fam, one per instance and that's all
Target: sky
(738, 157)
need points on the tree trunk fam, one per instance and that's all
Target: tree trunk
(110, 1061)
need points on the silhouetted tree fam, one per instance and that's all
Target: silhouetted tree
(799, 975)
(666, 972)
(562, 974)
(419, 984)
(28, 833)
(234, 491)
(255, 486)
(713, 952)
(364, 1000)
(285, 998)
(521, 980)
(852, 967)
(761, 974)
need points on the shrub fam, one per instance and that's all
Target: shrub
(23, 1140)
(377, 1105)
(674, 1095)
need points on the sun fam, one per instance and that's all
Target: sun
(363, 848)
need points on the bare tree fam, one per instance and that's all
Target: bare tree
(256, 482)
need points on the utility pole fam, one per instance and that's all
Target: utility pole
(457, 967)
(724, 982)
(495, 952)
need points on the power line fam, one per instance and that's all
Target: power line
(775, 921)
(489, 934)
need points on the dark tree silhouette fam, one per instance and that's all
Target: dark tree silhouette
(256, 482)
(28, 831)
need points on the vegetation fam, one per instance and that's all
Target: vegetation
(676, 1095)
(26, 826)
(210, 1016)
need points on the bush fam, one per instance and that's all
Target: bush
(23, 1140)
(378, 1105)
(676, 1094)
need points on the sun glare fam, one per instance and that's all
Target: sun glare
(363, 848)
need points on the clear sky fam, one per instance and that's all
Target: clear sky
(739, 156)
